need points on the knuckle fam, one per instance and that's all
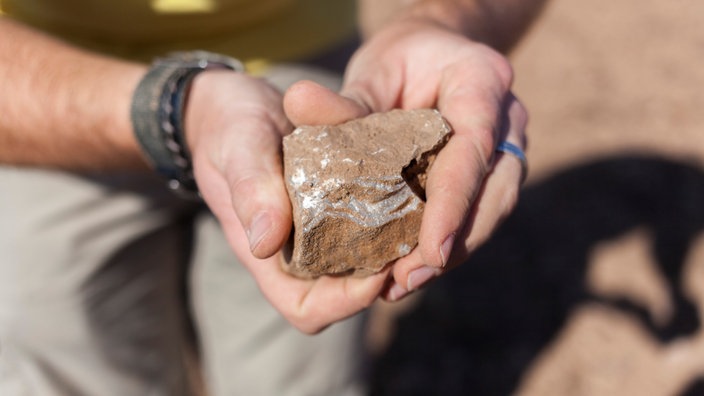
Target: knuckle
(483, 144)
(244, 184)
(309, 329)
(480, 129)
(501, 66)
(519, 113)
(510, 200)
(305, 323)
(504, 70)
(518, 121)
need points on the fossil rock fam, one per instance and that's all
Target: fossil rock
(358, 190)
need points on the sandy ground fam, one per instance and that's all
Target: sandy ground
(595, 286)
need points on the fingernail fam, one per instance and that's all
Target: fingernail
(258, 229)
(397, 292)
(446, 248)
(418, 277)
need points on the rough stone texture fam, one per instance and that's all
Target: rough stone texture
(358, 190)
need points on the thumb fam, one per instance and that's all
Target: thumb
(308, 103)
(253, 193)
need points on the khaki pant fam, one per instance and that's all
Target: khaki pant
(105, 280)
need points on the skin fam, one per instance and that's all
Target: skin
(466, 175)
(418, 54)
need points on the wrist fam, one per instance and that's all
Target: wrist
(157, 114)
(201, 103)
(376, 16)
(446, 14)
(498, 24)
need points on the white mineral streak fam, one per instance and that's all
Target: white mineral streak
(395, 200)
(312, 200)
(299, 177)
(349, 192)
(404, 249)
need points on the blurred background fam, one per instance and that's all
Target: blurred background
(595, 285)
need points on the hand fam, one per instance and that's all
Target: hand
(418, 64)
(234, 126)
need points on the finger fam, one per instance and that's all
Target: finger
(471, 98)
(501, 189)
(236, 124)
(309, 304)
(495, 200)
(331, 299)
(399, 289)
(252, 167)
(312, 305)
(308, 103)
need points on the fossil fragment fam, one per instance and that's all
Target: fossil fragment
(358, 190)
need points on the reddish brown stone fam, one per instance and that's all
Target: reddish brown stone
(357, 190)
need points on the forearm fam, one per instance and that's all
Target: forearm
(62, 107)
(497, 23)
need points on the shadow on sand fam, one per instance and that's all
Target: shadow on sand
(477, 330)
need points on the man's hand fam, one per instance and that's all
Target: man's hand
(419, 64)
(235, 124)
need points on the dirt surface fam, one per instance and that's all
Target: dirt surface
(595, 285)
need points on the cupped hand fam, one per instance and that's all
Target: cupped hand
(234, 128)
(419, 64)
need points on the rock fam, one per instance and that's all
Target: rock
(358, 190)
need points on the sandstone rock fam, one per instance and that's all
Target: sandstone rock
(358, 190)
